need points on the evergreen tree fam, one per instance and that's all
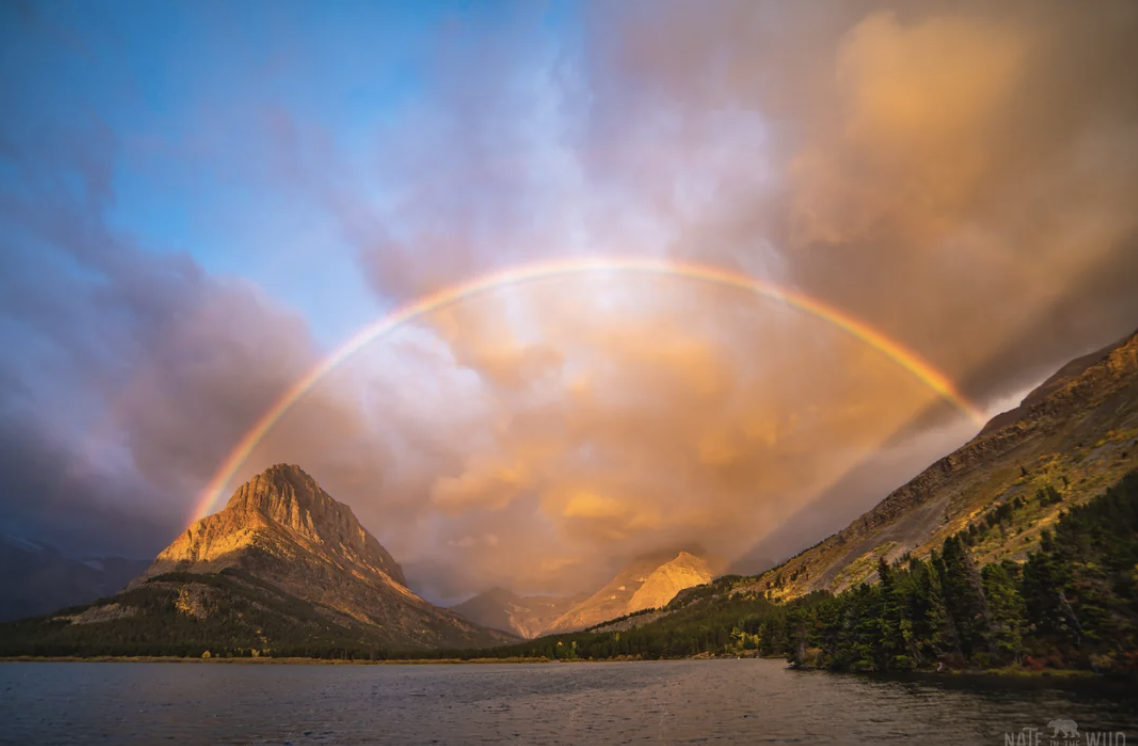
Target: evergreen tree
(1046, 583)
(963, 597)
(893, 646)
(931, 633)
(1008, 611)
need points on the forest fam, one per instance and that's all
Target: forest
(1072, 605)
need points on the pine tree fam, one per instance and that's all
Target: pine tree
(964, 597)
(1046, 584)
(893, 650)
(1009, 613)
(931, 627)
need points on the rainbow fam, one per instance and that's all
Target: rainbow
(451, 295)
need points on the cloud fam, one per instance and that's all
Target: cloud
(486, 485)
(132, 372)
(910, 167)
(959, 176)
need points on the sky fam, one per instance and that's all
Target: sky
(201, 202)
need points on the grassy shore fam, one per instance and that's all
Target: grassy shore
(1031, 673)
(263, 660)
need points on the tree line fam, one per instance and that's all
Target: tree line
(1072, 604)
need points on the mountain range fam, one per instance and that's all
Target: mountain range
(286, 569)
(1015, 554)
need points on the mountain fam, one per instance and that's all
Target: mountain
(1016, 553)
(1069, 439)
(1072, 606)
(38, 578)
(647, 582)
(284, 565)
(526, 616)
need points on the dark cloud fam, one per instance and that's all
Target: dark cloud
(129, 372)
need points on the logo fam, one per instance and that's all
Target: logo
(1063, 733)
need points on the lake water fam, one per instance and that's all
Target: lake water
(667, 702)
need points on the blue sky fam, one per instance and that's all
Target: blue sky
(186, 91)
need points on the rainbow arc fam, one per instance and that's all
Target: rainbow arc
(451, 295)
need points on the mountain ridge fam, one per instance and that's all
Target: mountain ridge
(1042, 442)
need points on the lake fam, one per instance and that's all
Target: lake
(665, 702)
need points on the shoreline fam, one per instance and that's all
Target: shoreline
(262, 660)
(1003, 673)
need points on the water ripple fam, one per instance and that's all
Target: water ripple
(676, 702)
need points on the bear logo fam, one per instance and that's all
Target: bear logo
(1069, 728)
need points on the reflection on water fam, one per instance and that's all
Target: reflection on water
(725, 701)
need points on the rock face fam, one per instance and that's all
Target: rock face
(662, 585)
(279, 511)
(1077, 433)
(283, 529)
(526, 616)
(647, 582)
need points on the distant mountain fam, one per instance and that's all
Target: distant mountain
(1072, 437)
(526, 616)
(38, 578)
(284, 565)
(646, 583)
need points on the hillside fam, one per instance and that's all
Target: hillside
(1073, 436)
(283, 565)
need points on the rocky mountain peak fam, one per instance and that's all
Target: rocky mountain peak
(287, 495)
(281, 503)
(648, 581)
(662, 585)
(282, 537)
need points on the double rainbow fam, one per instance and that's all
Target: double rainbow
(451, 295)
